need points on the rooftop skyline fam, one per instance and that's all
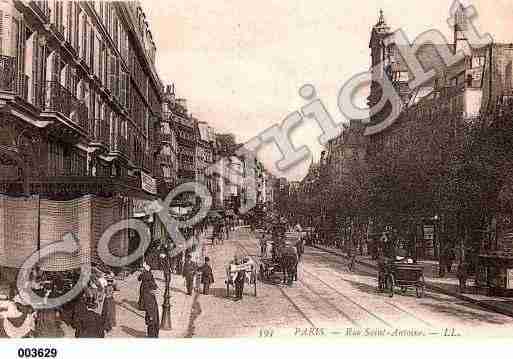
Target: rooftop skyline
(240, 68)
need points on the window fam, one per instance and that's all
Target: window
(115, 36)
(83, 36)
(76, 27)
(2, 52)
(166, 129)
(92, 51)
(478, 61)
(508, 74)
(69, 21)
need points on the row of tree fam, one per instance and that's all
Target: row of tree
(449, 172)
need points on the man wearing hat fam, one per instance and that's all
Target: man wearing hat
(207, 277)
(152, 310)
(189, 270)
(146, 278)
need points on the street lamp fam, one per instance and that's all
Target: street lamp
(166, 306)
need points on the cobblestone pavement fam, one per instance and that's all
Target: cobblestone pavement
(329, 297)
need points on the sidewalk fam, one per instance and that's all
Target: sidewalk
(130, 320)
(448, 285)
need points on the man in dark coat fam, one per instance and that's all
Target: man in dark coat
(146, 277)
(239, 284)
(189, 270)
(88, 323)
(207, 277)
(152, 310)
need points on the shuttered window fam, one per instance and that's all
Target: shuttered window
(76, 27)
(1, 32)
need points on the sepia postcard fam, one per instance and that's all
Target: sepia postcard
(255, 169)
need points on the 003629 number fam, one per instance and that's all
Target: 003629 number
(37, 353)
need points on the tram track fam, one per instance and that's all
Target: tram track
(386, 302)
(320, 296)
(285, 295)
(378, 318)
(310, 288)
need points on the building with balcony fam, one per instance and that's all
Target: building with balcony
(80, 103)
(168, 157)
(205, 156)
(186, 132)
(421, 148)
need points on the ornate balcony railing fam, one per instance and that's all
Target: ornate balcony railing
(7, 73)
(59, 99)
(167, 137)
(184, 166)
(147, 162)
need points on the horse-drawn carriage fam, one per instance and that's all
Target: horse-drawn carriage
(249, 267)
(284, 259)
(400, 274)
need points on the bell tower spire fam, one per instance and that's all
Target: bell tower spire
(378, 59)
(381, 20)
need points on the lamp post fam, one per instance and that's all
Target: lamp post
(166, 306)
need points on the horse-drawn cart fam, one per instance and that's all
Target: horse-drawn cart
(402, 275)
(249, 268)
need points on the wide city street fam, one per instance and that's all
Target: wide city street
(329, 300)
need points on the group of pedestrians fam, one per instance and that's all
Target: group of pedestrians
(192, 271)
(220, 231)
(94, 313)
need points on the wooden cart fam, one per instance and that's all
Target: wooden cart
(402, 275)
(249, 267)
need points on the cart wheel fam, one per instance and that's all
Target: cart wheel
(380, 284)
(390, 284)
(261, 273)
(404, 289)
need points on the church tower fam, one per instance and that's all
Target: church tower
(378, 62)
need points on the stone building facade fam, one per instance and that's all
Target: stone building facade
(419, 156)
(80, 103)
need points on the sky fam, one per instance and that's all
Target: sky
(240, 64)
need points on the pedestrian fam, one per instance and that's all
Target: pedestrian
(87, 322)
(189, 270)
(300, 246)
(207, 277)
(227, 229)
(449, 259)
(146, 277)
(151, 308)
(462, 276)
(442, 264)
(239, 284)
(109, 306)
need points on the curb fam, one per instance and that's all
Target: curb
(435, 288)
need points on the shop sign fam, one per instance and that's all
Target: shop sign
(148, 183)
